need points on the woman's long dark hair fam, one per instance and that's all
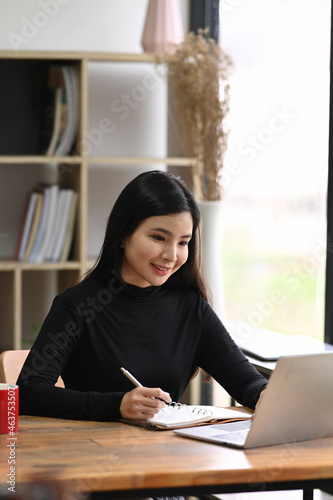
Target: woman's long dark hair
(150, 194)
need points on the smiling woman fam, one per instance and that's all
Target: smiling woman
(149, 306)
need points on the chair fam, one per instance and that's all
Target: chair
(11, 363)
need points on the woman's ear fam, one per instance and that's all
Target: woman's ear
(125, 241)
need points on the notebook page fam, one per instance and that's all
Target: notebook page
(185, 415)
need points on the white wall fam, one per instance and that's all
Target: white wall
(106, 25)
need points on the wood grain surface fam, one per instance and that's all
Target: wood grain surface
(112, 456)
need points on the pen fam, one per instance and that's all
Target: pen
(131, 378)
(136, 382)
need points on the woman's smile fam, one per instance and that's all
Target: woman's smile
(162, 270)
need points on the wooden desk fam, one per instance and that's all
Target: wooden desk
(125, 460)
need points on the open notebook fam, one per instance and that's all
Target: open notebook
(180, 415)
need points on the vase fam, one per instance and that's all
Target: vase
(211, 212)
(211, 243)
(163, 28)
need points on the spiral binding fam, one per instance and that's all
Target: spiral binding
(182, 406)
(177, 406)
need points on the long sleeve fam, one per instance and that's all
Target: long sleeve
(50, 357)
(224, 361)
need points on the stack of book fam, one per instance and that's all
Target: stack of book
(47, 225)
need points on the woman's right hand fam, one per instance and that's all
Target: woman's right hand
(142, 403)
(258, 403)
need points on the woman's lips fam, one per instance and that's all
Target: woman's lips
(162, 271)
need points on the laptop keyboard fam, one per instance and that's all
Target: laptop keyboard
(236, 437)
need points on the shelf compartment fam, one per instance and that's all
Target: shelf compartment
(29, 132)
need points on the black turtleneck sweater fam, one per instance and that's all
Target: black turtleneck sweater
(159, 335)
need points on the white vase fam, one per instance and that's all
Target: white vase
(211, 246)
(163, 27)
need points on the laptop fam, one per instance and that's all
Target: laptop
(297, 406)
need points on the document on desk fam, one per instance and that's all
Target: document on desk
(179, 415)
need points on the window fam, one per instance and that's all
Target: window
(275, 171)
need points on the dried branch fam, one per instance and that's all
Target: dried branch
(199, 72)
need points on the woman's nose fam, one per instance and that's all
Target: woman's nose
(170, 253)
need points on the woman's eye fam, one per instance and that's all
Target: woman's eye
(184, 243)
(158, 238)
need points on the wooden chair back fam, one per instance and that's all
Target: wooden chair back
(11, 363)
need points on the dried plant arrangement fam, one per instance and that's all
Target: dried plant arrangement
(198, 73)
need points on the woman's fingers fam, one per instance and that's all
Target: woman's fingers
(258, 403)
(143, 403)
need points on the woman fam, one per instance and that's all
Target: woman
(143, 307)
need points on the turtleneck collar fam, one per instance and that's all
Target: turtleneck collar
(134, 290)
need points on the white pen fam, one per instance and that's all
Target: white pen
(136, 382)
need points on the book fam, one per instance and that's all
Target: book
(49, 224)
(34, 225)
(69, 230)
(66, 210)
(56, 83)
(27, 224)
(57, 122)
(41, 229)
(67, 138)
(180, 415)
(57, 223)
(22, 224)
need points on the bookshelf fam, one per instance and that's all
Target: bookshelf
(29, 68)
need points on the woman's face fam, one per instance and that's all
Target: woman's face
(156, 249)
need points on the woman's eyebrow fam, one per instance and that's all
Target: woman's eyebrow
(169, 233)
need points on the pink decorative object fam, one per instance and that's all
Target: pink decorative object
(163, 27)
